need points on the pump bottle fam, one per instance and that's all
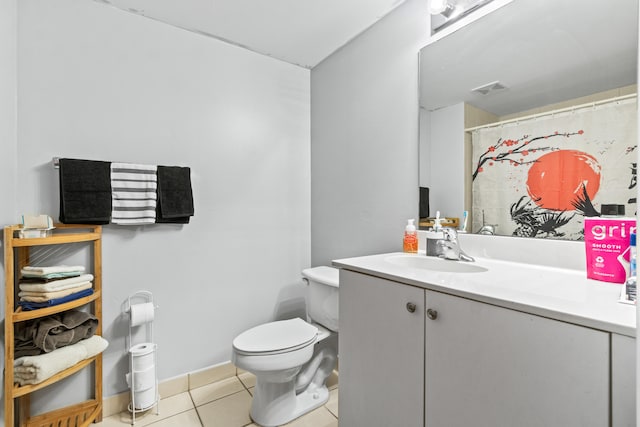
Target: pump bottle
(630, 284)
(410, 243)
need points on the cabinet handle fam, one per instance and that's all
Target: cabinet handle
(432, 314)
(411, 307)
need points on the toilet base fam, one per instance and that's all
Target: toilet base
(288, 406)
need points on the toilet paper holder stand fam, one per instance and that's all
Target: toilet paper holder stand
(141, 297)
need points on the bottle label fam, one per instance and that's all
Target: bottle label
(410, 243)
(607, 248)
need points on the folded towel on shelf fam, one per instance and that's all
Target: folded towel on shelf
(175, 195)
(55, 285)
(53, 271)
(47, 278)
(34, 296)
(134, 193)
(26, 305)
(35, 369)
(85, 191)
(49, 333)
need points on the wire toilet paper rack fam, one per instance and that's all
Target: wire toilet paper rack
(142, 377)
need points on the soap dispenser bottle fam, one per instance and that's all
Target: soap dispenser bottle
(630, 284)
(437, 223)
(410, 242)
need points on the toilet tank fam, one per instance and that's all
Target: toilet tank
(322, 299)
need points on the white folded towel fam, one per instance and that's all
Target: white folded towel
(133, 193)
(56, 285)
(34, 271)
(35, 369)
(31, 296)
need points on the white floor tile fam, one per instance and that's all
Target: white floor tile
(185, 419)
(320, 417)
(225, 403)
(332, 404)
(230, 411)
(217, 390)
(168, 407)
(248, 379)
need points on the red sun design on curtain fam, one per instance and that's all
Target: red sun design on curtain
(557, 178)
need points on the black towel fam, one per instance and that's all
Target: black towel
(424, 202)
(175, 197)
(85, 192)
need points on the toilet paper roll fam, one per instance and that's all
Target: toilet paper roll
(144, 399)
(142, 380)
(141, 313)
(142, 356)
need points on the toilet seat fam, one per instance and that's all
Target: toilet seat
(277, 337)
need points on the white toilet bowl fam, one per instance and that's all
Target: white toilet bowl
(291, 359)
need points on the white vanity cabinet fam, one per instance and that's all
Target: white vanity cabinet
(490, 366)
(381, 347)
(623, 381)
(410, 356)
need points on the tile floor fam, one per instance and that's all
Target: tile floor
(223, 403)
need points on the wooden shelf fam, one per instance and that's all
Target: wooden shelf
(80, 415)
(61, 234)
(16, 256)
(55, 240)
(21, 316)
(19, 390)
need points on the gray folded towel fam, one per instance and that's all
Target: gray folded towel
(49, 333)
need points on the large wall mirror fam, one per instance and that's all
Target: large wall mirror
(529, 117)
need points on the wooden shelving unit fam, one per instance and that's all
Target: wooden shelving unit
(16, 397)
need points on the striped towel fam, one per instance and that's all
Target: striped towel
(133, 193)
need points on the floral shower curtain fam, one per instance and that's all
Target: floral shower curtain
(541, 176)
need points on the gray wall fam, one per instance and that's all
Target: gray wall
(120, 87)
(96, 82)
(8, 59)
(364, 139)
(446, 161)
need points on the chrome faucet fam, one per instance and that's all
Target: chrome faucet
(449, 246)
(487, 229)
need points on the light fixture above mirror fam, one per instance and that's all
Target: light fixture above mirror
(446, 12)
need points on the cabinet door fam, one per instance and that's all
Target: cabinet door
(623, 381)
(488, 366)
(381, 351)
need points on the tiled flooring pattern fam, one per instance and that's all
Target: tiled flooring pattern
(224, 403)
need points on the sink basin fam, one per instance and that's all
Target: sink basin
(434, 264)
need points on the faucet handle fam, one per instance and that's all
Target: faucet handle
(450, 234)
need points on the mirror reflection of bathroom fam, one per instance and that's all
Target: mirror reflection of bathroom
(538, 127)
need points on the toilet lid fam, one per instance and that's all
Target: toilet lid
(276, 336)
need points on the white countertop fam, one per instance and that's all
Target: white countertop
(557, 293)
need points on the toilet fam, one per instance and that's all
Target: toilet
(292, 358)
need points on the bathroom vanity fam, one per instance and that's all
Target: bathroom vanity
(428, 342)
